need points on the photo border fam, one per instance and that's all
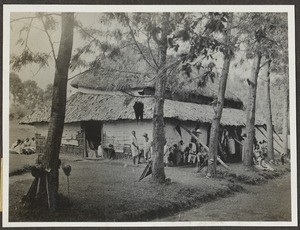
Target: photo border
(7, 9)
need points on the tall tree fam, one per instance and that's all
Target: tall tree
(158, 173)
(285, 118)
(250, 120)
(218, 107)
(269, 113)
(58, 108)
(51, 160)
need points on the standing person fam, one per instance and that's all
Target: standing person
(192, 153)
(147, 145)
(177, 155)
(181, 148)
(134, 146)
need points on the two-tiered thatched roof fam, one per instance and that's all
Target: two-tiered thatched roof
(99, 107)
(113, 79)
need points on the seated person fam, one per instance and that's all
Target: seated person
(111, 152)
(16, 147)
(29, 146)
(201, 155)
(100, 151)
(186, 155)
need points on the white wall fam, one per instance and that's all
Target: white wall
(118, 133)
(69, 133)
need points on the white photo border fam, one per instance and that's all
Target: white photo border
(7, 9)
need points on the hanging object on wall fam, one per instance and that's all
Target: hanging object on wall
(138, 110)
(178, 130)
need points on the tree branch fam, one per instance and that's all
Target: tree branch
(155, 62)
(79, 74)
(33, 17)
(29, 27)
(49, 38)
(264, 63)
(135, 41)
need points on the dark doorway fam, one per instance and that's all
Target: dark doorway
(93, 137)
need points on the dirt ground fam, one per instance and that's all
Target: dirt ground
(268, 202)
(108, 190)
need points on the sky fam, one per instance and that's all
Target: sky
(38, 41)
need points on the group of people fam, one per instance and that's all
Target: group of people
(183, 155)
(26, 147)
(146, 150)
(175, 155)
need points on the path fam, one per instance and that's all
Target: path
(269, 202)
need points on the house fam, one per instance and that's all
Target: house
(96, 114)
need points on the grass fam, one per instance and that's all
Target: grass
(17, 131)
(109, 191)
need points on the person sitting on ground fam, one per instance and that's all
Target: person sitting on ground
(27, 142)
(192, 153)
(170, 161)
(29, 146)
(33, 143)
(177, 155)
(282, 158)
(201, 155)
(111, 152)
(257, 155)
(16, 147)
(100, 152)
(186, 155)
(166, 153)
(264, 149)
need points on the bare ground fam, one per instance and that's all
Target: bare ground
(268, 202)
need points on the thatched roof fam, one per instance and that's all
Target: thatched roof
(112, 79)
(87, 107)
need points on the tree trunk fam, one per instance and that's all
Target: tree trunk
(159, 140)
(218, 108)
(58, 108)
(285, 125)
(269, 116)
(250, 122)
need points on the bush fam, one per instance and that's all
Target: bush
(17, 111)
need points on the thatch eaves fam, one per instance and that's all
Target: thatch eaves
(99, 107)
(112, 79)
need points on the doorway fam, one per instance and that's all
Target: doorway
(93, 137)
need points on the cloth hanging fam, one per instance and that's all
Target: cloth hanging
(178, 130)
(138, 110)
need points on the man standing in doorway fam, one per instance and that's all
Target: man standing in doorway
(134, 146)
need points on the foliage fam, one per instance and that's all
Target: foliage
(15, 87)
(27, 95)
